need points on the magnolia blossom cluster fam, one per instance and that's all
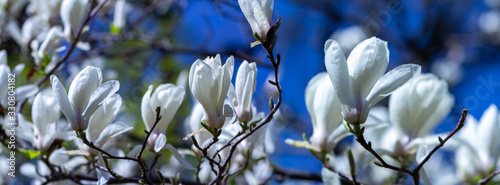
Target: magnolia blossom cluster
(229, 135)
(402, 133)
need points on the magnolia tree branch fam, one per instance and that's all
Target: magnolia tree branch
(415, 171)
(268, 45)
(461, 123)
(344, 176)
(488, 178)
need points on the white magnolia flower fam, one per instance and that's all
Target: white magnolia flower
(360, 80)
(418, 106)
(169, 97)
(259, 14)
(209, 83)
(324, 108)
(48, 45)
(72, 14)
(241, 96)
(85, 95)
(479, 152)
(45, 114)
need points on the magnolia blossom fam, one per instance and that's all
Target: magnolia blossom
(360, 80)
(241, 96)
(418, 106)
(479, 152)
(258, 14)
(325, 112)
(49, 43)
(46, 127)
(72, 14)
(85, 95)
(209, 83)
(169, 97)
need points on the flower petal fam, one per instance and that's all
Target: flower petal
(336, 66)
(4, 74)
(147, 110)
(324, 108)
(160, 142)
(82, 87)
(3, 57)
(171, 99)
(179, 157)
(203, 85)
(62, 98)
(367, 63)
(96, 99)
(26, 91)
(103, 116)
(110, 131)
(391, 81)
(488, 131)
(45, 110)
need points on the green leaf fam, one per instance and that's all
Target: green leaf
(31, 154)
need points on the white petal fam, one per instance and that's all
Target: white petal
(391, 81)
(83, 85)
(367, 63)
(25, 129)
(102, 176)
(147, 110)
(179, 157)
(203, 85)
(110, 131)
(45, 110)
(103, 116)
(160, 142)
(62, 98)
(226, 77)
(59, 157)
(3, 57)
(96, 99)
(324, 107)
(231, 96)
(336, 66)
(4, 74)
(488, 131)
(26, 91)
(170, 99)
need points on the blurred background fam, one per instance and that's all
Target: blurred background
(457, 40)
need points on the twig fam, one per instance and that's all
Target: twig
(268, 46)
(361, 140)
(155, 160)
(108, 155)
(461, 123)
(488, 178)
(139, 155)
(333, 169)
(287, 174)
